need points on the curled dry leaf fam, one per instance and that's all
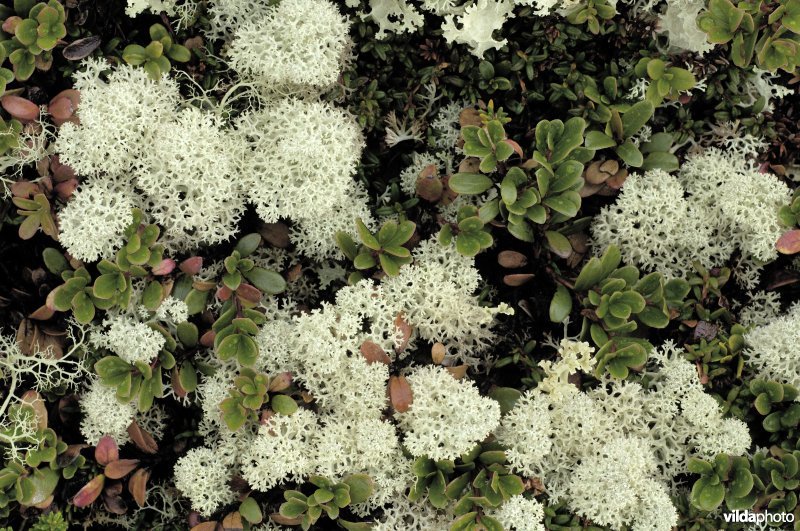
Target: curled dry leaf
(405, 328)
(106, 451)
(89, 493)
(372, 352)
(400, 393)
(137, 486)
(120, 468)
(143, 440)
(112, 499)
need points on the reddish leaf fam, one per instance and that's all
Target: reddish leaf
(223, 293)
(112, 500)
(176, 383)
(120, 468)
(518, 279)
(789, 243)
(67, 188)
(372, 352)
(89, 493)
(249, 293)
(207, 339)
(280, 381)
(20, 108)
(137, 486)
(34, 399)
(400, 393)
(192, 266)
(405, 328)
(165, 267)
(106, 451)
(143, 440)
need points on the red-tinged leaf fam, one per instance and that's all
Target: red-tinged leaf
(24, 189)
(66, 189)
(249, 293)
(49, 303)
(515, 146)
(405, 328)
(280, 382)
(207, 339)
(42, 313)
(192, 266)
(120, 468)
(137, 486)
(89, 493)
(373, 353)
(20, 108)
(112, 499)
(400, 393)
(223, 293)
(106, 451)
(166, 267)
(789, 243)
(143, 440)
(34, 399)
(175, 379)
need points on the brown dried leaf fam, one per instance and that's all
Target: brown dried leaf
(206, 526)
(405, 328)
(438, 352)
(400, 393)
(512, 259)
(372, 352)
(137, 486)
(120, 468)
(470, 116)
(89, 493)
(276, 234)
(283, 520)
(81, 48)
(143, 440)
(458, 372)
(42, 313)
(106, 451)
(112, 500)
(280, 381)
(233, 522)
(517, 279)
